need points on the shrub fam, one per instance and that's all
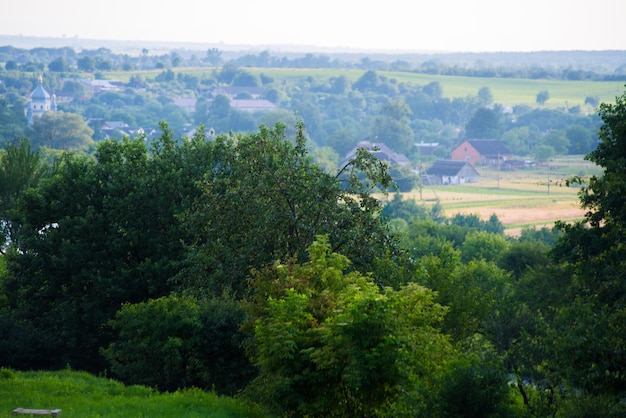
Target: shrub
(180, 341)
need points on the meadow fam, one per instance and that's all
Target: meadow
(531, 198)
(505, 91)
(80, 394)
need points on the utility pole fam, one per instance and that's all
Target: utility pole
(419, 169)
(498, 169)
(548, 177)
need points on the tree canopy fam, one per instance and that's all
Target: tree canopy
(137, 222)
(594, 250)
(267, 200)
(20, 169)
(329, 343)
(61, 130)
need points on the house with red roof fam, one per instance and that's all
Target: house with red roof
(483, 151)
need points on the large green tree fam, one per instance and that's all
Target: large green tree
(593, 320)
(572, 314)
(58, 65)
(580, 139)
(485, 124)
(392, 127)
(61, 130)
(267, 200)
(135, 223)
(331, 343)
(557, 140)
(13, 121)
(542, 97)
(20, 168)
(101, 232)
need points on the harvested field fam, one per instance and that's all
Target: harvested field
(520, 199)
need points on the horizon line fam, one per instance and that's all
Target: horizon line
(296, 47)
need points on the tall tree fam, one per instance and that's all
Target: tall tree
(331, 343)
(587, 333)
(485, 124)
(101, 232)
(433, 90)
(61, 130)
(213, 56)
(13, 122)
(485, 97)
(20, 168)
(557, 140)
(86, 63)
(58, 65)
(368, 81)
(542, 97)
(392, 127)
(267, 200)
(603, 196)
(580, 139)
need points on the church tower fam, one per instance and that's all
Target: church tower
(40, 102)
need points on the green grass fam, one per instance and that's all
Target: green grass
(505, 91)
(80, 394)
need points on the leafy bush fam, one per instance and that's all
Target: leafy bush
(330, 343)
(473, 387)
(6, 374)
(179, 341)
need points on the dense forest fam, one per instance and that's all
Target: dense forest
(246, 262)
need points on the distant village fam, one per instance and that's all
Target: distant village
(428, 136)
(40, 101)
(459, 169)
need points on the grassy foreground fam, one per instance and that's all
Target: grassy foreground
(80, 394)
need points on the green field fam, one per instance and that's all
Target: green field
(505, 91)
(79, 394)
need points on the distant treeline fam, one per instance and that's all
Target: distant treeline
(563, 65)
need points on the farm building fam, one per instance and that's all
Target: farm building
(451, 172)
(252, 105)
(380, 151)
(484, 151)
(234, 92)
(245, 105)
(426, 148)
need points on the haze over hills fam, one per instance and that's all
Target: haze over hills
(609, 60)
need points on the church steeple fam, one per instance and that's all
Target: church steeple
(40, 102)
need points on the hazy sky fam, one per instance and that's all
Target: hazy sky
(435, 25)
